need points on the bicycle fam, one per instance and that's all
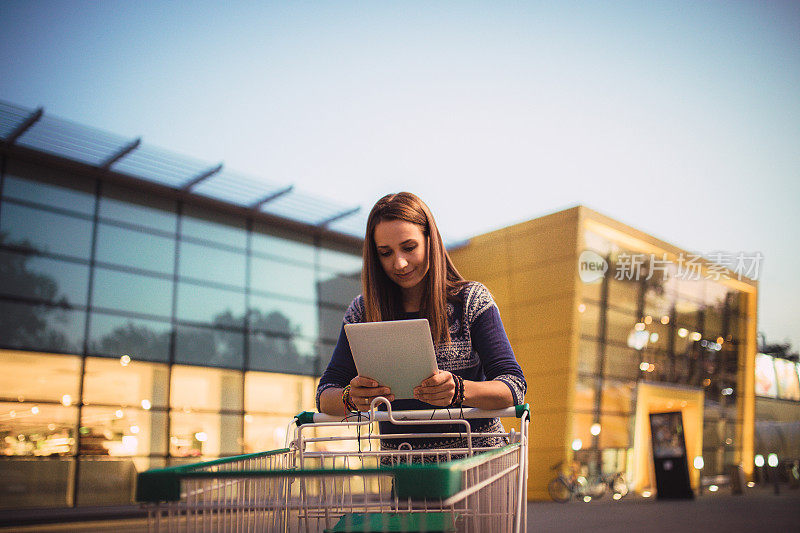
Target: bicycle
(562, 488)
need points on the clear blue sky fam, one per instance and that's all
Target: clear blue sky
(679, 118)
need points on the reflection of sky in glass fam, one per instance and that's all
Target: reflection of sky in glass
(209, 347)
(120, 246)
(71, 279)
(49, 194)
(212, 264)
(46, 232)
(205, 304)
(230, 232)
(132, 292)
(134, 208)
(280, 278)
(274, 246)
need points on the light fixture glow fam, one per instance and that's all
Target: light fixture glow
(119, 413)
(751, 484)
(682, 332)
(646, 494)
(581, 308)
(643, 366)
(134, 429)
(758, 460)
(665, 320)
(772, 460)
(577, 444)
(727, 391)
(146, 405)
(648, 319)
(595, 430)
(696, 336)
(125, 360)
(654, 337)
(639, 326)
(201, 436)
(587, 499)
(713, 488)
(699, 463)
(35, 410)
(651, 367)
(617, 496)
(66, 400)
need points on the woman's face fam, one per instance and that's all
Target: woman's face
(403, 252)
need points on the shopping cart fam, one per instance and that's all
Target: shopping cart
(345, 482)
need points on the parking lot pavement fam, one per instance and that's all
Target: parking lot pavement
(757, 509)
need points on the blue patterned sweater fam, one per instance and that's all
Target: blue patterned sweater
(479, 350)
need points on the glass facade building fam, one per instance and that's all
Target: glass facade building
(143, 327)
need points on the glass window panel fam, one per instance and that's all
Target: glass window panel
(691, 289)
(212, 264)
(138, 207)
(42, 430)
(201, 223)
(39, 377)
(209, 347)
(589, 314)
(205, 389)
(617, 396)
(342, 262)
(46, 232)
(50, 280)
(105, 480)
(686, 314)
(619, 326)
(278, 393)
(264, 432)
(132, 292)
(614, 431)
(209, 305)
(283, 244)
(621, 361)
(341, 290)
(587, 356)
(658, 306)
(28, 483)
(39, 327)
(48, 186)
(126, 247)
(624, 294)
(136, 384)
(283, 317)
(281, 354)
(330, 323)
(713, 323)
(283, 278)
(123, 432)
(205, 435)
(585, 388)
(140, 339)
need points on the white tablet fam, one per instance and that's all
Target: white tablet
(398, 354)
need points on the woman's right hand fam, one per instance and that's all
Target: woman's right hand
(363, 390)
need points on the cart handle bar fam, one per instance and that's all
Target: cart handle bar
(311, 417)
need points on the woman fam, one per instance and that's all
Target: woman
(407, 273)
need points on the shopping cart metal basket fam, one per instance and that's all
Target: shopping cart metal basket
(345, 482)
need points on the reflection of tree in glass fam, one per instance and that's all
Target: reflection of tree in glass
(134, 340)
(28, 325)
(275, 350)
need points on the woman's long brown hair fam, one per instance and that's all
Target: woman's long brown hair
(382, 297)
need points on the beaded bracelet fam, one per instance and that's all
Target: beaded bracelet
(458, 394)
(348, 403)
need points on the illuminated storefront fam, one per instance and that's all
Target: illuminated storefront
(611, 324)
(151, 312)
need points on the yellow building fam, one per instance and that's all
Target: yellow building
(611, 324)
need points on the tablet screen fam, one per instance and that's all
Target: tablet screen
(398, 354)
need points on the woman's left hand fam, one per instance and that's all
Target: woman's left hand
(438, 389)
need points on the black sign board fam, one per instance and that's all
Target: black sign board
(669, 456)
